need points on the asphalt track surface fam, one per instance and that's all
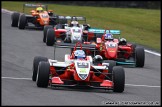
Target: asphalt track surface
(19, 47)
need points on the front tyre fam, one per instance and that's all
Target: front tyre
(118, 79)
(139, 57)
(15, 19)
(43, 74)
(45, 32)
(50, 37)
(36, 61)
(22, 22)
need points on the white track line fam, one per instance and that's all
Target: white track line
(16, 78)
(154, 53)
(125, 84)
(142, 85)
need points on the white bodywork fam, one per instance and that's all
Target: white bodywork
(76, 34)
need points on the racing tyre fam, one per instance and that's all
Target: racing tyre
(50, 39)
(43, 74)
(36, 61)
(15, 19)
(139, 57)
(45, 32)
(111, 64)
(118, 79)
(110, 67)
(22, 22)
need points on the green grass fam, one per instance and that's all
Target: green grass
(141, 26)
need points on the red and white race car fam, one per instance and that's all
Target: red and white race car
(78, 70)
(67, 33)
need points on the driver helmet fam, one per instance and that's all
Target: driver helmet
(123, 41)
(39, 9)
(74, 23)
(108, 36)
(79, 54)
(98, 59)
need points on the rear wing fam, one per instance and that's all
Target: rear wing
(34, 6)
(72, 45)
(82, 46)
(71, 18)
(102, 31)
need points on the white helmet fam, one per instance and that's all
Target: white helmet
(74, 23)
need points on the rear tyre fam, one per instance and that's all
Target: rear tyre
(45, 32)
(22, 22)
(42, 79)
(139, 57)
(118, 79)
(36, 61)
(50, 39)
(110, 67)
(15, 19)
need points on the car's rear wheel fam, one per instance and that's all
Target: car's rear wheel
(45, 32)
(110, 67)
(118, 79)
(36, 61)
(50, 39)
(42, 79)
(15, 19)
(22, 21)
(139, 57)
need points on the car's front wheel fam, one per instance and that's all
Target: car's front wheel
(118, 79)
(15, 19)
(36, 61)
(50, 39)
(42, 79)
(22, 22)
(45, 32)
(139, 57)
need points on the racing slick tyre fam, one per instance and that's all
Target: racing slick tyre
(139, 57)
(50, 39)
(110, 67)
(22, 22)
(118, 79)
(36, 61)
(15, 19)
(43, 74)
(45, 32)
(111, 64)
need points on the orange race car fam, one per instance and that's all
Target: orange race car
(40, 16)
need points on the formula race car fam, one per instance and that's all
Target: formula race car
(118, 49)
(39, 17)
(68, 33)
(78, 70)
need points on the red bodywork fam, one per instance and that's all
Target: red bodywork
(70, 74)
(111, 50)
